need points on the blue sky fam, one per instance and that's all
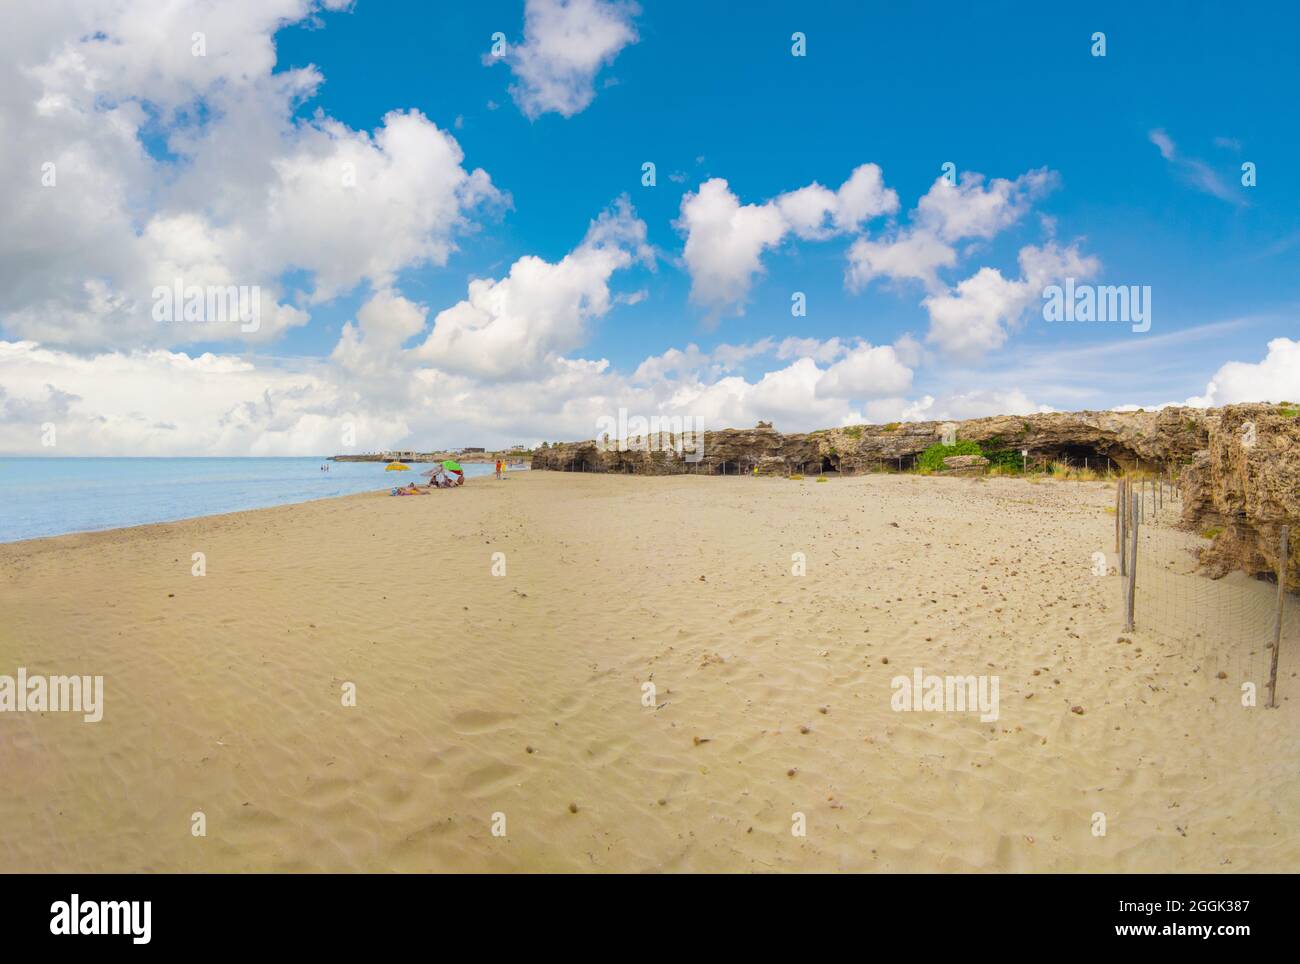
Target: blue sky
(1142, 149)
(995, 89)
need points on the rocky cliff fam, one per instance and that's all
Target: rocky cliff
(1128, 440)
(1244, 486)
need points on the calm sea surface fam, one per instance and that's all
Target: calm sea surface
(48, 497)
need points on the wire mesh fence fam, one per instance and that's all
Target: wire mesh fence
(1227, 626)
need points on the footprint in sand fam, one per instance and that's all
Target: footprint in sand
(326, 792)
(491, 779)
(569, 705)
(471, 722)
(607, 751)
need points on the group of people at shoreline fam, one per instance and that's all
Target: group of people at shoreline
(445, 477)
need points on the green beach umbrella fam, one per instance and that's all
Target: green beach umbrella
(451, 465)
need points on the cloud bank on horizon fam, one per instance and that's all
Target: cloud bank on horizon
(398, 304)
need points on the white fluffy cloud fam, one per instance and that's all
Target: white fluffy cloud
(866, 372)
(691, 360)
(244, 193)
(508, 326)
(787, 397)
(977, 315)
(168, 403)
(566, 43)
(815, 212)
(725, 240)
(386, 394)
(953, 407)
(973, 318)
(371, 346)
(1274, 379)
(814, 348)
(912, 256)
(853, 371)
(969, 209)
(76, 50)
(946, 214)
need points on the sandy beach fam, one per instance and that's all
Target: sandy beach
(521, 694)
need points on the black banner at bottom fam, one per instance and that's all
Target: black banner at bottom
(335, 913)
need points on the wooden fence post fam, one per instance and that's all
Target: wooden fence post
(1277, 617)
(1119, 490)
(1132, 571)
(1124, 502)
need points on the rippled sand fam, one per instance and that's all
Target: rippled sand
(522, 694)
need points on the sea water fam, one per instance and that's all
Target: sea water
(52, 496)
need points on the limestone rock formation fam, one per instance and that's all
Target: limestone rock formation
(1244, 487)
(1121, 440)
